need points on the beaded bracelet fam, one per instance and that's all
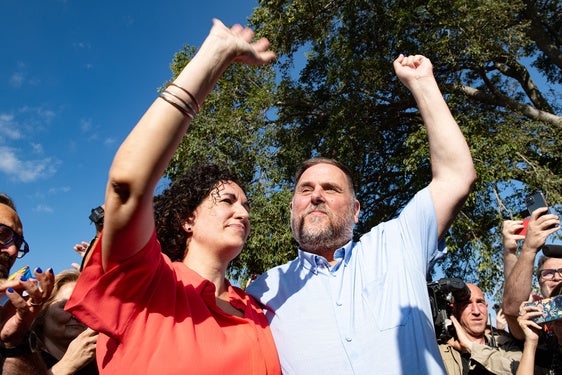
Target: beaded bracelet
(197, 106)
(183, 110)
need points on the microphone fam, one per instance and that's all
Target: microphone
(553, 251)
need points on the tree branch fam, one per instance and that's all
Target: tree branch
(507, 102)
(521, 74)
(536, 31)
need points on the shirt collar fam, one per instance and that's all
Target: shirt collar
(315, 262)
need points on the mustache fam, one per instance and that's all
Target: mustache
(316, 207)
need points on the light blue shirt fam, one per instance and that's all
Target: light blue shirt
(370, 312)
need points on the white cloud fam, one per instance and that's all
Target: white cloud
(8, 128)
(37, 148)
(43, 208)
(61, 189)
(17, 79)
(85, 125)
(25, 170)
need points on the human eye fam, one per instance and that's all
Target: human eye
(548, 274)
(227, 200)
(305, 189)
(6, 235)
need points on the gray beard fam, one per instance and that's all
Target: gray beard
(323, 240)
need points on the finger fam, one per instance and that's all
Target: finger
(46, 282)
(261, 44)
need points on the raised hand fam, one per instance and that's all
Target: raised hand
(18, 314)
(244, 50)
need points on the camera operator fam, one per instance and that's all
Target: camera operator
(477, 349)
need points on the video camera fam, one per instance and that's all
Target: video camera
(442, 294)
(97, 216)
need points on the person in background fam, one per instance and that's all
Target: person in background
(18, 312)
(345, 307)
(510, 237)
(175, 313)
(520, 279)
(542, 353)
(501, 323)
(475, 349)
(66, 345)
(83, 248)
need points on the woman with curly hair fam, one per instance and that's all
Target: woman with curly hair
(155, 285)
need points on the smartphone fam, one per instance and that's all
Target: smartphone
(535, 201)
(551, 309)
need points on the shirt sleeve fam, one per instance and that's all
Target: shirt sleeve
(106, 301)
(497, 361)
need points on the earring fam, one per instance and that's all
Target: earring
(189, 229)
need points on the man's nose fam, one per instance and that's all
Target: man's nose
(317, 195)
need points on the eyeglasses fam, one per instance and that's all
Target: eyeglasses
(8, 236)
(548, 274)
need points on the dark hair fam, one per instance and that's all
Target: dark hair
(61, 279)
(315, 161)
(540, 265)
(5, 199)
(178, 202)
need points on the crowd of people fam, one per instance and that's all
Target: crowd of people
(151, 295)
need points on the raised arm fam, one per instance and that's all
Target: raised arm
(145, 153)
(519, 282)
(451, 163)
(510, 238)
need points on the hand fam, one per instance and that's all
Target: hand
(462, 343)
(411, 69)
(18, 314)
(528, 326)
(79, 353)
(501, 321)
(539, 228)
(81, 248)
(244, 50)
(510, 238)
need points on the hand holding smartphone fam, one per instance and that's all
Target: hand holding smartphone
(536, 200)
(551, 309)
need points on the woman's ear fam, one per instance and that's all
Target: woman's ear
(188, 224)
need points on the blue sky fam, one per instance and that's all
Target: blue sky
(75, 77)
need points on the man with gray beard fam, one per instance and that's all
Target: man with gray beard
(345, 307)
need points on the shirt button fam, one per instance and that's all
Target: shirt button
(347, 338)
(338, 303)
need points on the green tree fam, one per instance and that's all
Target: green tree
(346, 103)
(336, 95)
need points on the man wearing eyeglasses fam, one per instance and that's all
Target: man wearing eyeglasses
(17, 312)
(519, 282)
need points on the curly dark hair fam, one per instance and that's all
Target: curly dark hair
(178, 202)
